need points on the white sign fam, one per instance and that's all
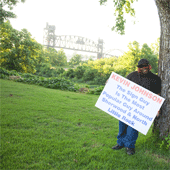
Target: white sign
(129, 103)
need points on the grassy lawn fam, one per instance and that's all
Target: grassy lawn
(51, 129)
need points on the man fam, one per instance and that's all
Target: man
(144, 77)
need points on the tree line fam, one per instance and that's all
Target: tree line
(20, 52)
(99, 70)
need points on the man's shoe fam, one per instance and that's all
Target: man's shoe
(117, 147)
(130, 151)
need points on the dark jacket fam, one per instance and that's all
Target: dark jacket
(149, 81)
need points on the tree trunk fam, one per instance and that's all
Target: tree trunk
(162, 123)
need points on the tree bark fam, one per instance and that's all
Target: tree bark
(162, 123)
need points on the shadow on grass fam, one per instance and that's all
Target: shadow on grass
(149, 146)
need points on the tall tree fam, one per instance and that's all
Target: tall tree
(76, 59)
(161, 123)
(18, 50)
(52, 54)
(61, 59)
(146, 52)
(4, 15)
(128, 61)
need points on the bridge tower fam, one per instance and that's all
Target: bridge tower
(100, 49)
(49, 35)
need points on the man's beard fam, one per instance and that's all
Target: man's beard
(144, 71)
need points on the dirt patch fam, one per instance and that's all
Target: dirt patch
(83, 90)
(14, 77)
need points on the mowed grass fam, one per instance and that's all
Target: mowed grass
(51, 129)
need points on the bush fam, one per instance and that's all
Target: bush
(4, 71)
(96, 90)
(69, 73)
(89, 74)
(4, 74)
(79, 72)
(54, 82)
(28, 75)
(14, 73)
(46, 70)
(59, 71)
(100, 80)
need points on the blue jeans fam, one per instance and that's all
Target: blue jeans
(127, 135)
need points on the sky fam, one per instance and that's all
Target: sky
(87, 18)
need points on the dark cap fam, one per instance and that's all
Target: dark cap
(142, 61)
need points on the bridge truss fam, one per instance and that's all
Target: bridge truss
(71, 42)
(111, 52)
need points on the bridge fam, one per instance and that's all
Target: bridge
(111, 52)
(73, 42)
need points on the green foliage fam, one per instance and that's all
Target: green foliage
(4, 74)
(45, 70)
(155, 47)
(69, 73)
(129, 60)
(53, 82)
(28, 75)
(4, 15)
(22, 53)
(79, 71)
(98, 71)
(52, 55)
(121, 7)
(18, 50)
(96, 91)
(165, 142)
(56, 58)
(4, 71)
(43, 61)
(75, 60)
(60, 71)
(89, 74)
(100, 80)
(148, 54)
(61, 59)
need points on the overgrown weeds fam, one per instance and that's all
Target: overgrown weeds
(51, 82)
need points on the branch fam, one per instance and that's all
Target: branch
(121, 6)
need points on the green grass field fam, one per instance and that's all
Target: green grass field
(51, 129)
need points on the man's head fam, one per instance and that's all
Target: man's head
(143, 66)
